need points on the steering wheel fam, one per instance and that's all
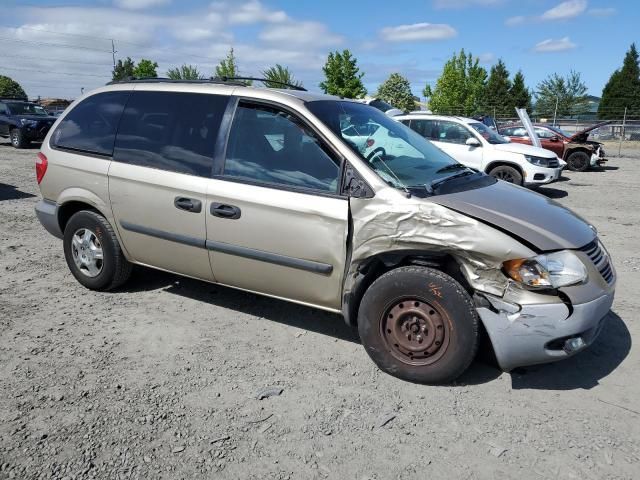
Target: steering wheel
(375, 152)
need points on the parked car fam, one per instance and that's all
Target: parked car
(477, 146)
(383, 106)
(261, 190)
(577, 150)
(23, 122)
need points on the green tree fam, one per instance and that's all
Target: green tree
(9, 88)
(145, 69)
(519, 94)
(459, 88)
(396, 90)
(569, 93)
(185, 72)
(623, 89)
(496, 98)
(123, 69)
(342, 76)
(228, 66)
(278, 75)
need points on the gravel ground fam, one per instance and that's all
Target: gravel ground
(161, 379)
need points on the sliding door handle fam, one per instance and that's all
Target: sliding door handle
(188, 204)
(225, 211)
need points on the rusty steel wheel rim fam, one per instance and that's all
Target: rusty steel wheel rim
(416, 332)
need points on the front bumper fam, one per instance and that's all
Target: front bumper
(47, 213)
(541, 175)
(541, 333)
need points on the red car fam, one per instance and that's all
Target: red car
(577, 150)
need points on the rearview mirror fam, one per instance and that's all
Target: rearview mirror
(473, 142)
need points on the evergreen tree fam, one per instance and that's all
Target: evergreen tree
(568, 93)
(185, 72)
(145, 69)
(496, 97)
(9, 88)
(228, 67)
(623, 89)
(396, 90)
(123, 69)
(459, 88)
(342, 76)
(519, 94)
(277, 75)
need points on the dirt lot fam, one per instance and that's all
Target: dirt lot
(160, 379)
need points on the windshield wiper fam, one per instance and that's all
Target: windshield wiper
(453, 166)
(436, 183)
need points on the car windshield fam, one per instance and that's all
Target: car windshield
(488, 134)
(26, 109)
(400, 156)
(381, 105)
(558, 130)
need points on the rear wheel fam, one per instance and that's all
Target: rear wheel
(507, 174)
(93, 252)
(17, 138)
(419, 324)
(578, 161)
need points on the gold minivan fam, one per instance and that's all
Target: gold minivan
(325, 202)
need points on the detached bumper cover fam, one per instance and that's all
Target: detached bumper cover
(537, 333)
(47, 213)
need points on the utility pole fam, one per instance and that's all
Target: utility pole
(624, 121)
(113, 53)
(555, 113)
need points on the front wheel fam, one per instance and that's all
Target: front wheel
(17, 139)
(419, 324)
(507, 173)
(93, 253)
(578, 161)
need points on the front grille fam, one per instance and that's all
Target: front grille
(553, 163)
(600, 259)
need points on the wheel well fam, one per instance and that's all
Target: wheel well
(500, 163)
(66, 211)
(376, 266)
(570, 152)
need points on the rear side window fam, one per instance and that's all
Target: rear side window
(172, 131)
(92, 124)
(427, 128)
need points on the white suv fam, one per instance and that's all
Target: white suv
(477, 146)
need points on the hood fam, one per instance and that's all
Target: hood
(46, 118)
(524, 214)
(582, 135)
(524, 150)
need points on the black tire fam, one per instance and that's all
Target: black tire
(578, 161)
(115, 268)
(429, 307)
(17, 139)
(507, 173)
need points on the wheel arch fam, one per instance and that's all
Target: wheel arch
(373, 267)
(570, 151)
(508, 163)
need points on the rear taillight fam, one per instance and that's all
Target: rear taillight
(41, 166)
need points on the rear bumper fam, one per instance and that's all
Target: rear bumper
(47, 213)
(544, 332)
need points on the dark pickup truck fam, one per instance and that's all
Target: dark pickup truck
(23, 122)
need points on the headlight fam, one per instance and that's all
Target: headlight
(28, 123)
(553, 270)
(539, 161)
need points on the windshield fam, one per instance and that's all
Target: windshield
(381, 105)
(26, 109)
(488, 134)
(558, 130)
(400, 156)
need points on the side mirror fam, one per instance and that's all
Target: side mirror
(473, 142)
(555, 138)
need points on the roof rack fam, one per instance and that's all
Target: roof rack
(237, 81)
(265, 81)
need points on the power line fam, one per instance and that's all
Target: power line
(54, 73)
(55, 60)
(57, 33)
(63, 45)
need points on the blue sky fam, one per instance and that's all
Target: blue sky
(57, 47)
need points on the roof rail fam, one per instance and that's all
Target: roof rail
(265, 81)
(171, 80)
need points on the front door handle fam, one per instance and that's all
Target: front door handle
(188, 204)
(225, 211)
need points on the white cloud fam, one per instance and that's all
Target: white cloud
(140, 4)
(514, 21)
(254, 12)
(551, 45)
(307, 34)
(487, 57)
(418, 32)
(565, 10)
(443, 4)
(602, 12)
